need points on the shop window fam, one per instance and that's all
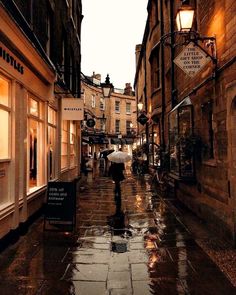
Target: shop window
(51, 143)
(180, 140)
(36, 160)
(64, 144)
(72, 144)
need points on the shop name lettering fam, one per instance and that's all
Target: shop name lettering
(11, 60)
(72, 109)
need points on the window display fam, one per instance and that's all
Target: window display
(72, 144)
(4, 119)
(36, 160)
(180, 144)
(64, 144)
(51, 143)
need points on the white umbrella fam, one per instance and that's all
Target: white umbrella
(119, 157)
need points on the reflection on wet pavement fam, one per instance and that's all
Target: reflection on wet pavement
(159, 254)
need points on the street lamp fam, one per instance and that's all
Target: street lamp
(107, 87)
(140, 106)
(184, 18)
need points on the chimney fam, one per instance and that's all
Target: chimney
(128, 89)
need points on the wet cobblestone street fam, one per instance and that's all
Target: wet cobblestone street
(146, 249)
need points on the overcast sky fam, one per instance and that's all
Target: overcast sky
(110, 31)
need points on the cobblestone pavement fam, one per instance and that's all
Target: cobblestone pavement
(147, 248)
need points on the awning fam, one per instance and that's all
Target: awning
(94, 139)
(115, 141)
(129, 140)
(186, 101)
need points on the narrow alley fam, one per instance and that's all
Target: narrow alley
(147, 249)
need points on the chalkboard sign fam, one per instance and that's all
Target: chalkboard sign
(61, 202)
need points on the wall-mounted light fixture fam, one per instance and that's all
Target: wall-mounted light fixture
(140, 106)
(184, 18)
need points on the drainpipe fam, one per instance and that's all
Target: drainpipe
(163, 104)
(172, 42)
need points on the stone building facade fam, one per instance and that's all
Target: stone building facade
(195, 115)
(115, 117)
(39, 66)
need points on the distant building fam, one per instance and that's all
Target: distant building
(115, 117)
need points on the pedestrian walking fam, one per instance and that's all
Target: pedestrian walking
(117, 175)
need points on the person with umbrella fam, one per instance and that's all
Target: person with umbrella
(116, 171)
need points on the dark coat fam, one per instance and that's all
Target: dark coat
(116, 171)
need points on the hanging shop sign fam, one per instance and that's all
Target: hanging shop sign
(90, 123)
(72, 109)
(192, 59)
(142, 119)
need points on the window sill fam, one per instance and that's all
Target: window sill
(5, 160)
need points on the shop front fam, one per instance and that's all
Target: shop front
(29, 127)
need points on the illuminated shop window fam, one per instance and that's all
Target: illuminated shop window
(64, 144)
(51, 143)
(72, 144)
(4, 119)
(5, 135)
(36, 159)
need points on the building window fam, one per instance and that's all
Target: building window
(64, 145)
(102, 103)
(128, 108)
(36, 160)
(52, 128)
(128, 127)
(4, 119)
(117, 126)
(93, 104)
(72, 144)
(117, 106)
(155, 69)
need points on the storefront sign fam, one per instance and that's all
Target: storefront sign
(192, 59)
(61, 201)
(11, 60)
(72, 109)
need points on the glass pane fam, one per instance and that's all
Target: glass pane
(186, 147)
(33, 155)
(4, 92)
(4, 141)
(34, 107)
(51, 116)
(52, 149)
(173, 138)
